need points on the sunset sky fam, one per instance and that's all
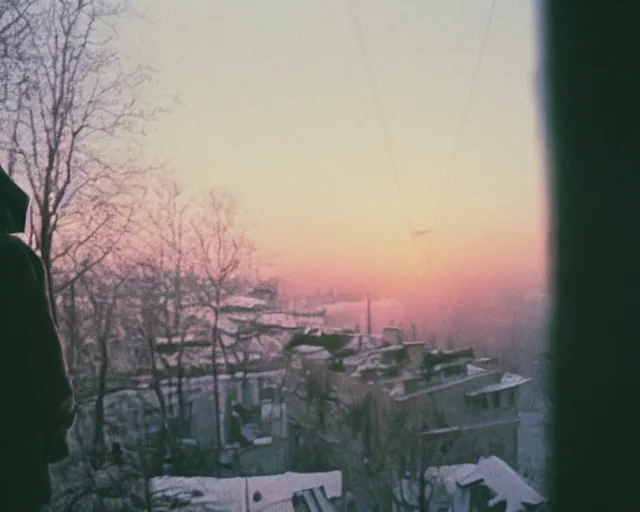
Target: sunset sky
(277, 106)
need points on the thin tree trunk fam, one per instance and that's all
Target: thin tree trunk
(157, 388)
(98, 430)
(181, 402)
(72, 344)
(45, 256)
(423, 499)
(246, 399)
(216, 391)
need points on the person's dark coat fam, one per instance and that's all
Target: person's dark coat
(14, 204)
(36, 395)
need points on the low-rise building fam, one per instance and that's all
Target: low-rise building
(398, 406)
(490, 484)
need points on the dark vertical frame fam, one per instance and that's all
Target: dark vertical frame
(592, 96)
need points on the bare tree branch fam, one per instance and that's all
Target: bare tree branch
(73, 129)
(16, 20)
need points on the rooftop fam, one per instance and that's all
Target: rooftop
(256, 335)
(243, 302)
(444, 478)
(404, 372)
(508, 380)
(265, 493)
(504, 484)
(313, 500)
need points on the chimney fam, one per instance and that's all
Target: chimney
(392, 335)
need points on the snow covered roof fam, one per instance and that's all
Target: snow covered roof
(508, 380)
(277, 490)
(205, 383)
(508, 486)
(243, 302)
(278, 327)
(268, 345)
(472, 427)
(272, 493)
(180, 493)
(192, 356)
(389, 348)
(226, 325)
(321, 354)
(308, 350)
(397, 389)
(313, 500)
(241, 316)
(290, 320)
(443, 478)
(486, 360)
(475, 370)
(448, 476)
(192, 337)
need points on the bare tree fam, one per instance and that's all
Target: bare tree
(154, 310)
(101, 287)
(169, 240)
(147, 330)
(66, 123)
(222, 248)
(377, 443)
(411, 453)
(17, 19)
(79, 324)
(69, 321)
(74, 323)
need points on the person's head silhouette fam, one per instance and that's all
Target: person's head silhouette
(14, 203)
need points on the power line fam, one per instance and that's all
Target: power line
(386, 132)
(465, 111)
(384, 127)
(463, 120)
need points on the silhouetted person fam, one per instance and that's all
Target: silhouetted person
(36, 395)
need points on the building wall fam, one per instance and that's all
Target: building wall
(271, 459)
(203, 405)
(446, 405)
(466, 447)
(438, 407)
(415, 352)
(202, 421)
(449, 398)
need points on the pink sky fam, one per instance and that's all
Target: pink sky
(277, 106)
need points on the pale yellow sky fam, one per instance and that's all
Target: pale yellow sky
(277, 106)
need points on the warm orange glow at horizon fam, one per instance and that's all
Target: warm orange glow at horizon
(398, 275)
(278, 109)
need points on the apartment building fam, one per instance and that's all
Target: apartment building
(399, 406)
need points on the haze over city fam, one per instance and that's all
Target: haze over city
(282, 255)
(305, 110)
